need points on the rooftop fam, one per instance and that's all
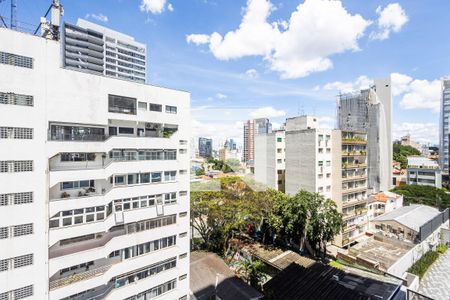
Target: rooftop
(206, 268)
(384, 196)
(324, 282)
(422, 162)
(413, 216)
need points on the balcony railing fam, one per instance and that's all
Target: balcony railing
(353, 166)
(357, 177)
(354, 202)
(77, 137)
(349, 190)
(122, 109)
(354, 153)
(70, 279)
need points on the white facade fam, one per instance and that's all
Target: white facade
(96, 49)
(270, 157)
(383, 202)
(308, 157)
(423, 171)
(83, 210)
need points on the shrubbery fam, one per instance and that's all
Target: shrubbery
(441, 249)
(422, 265)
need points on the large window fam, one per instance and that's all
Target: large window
(69, 185)
(76, 133)
(155, 107)
(77, 156)
(121, 104)
(171, 109)
(16, 60)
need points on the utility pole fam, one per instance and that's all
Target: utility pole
(13, 24)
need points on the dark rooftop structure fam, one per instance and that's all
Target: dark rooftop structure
(321, 281)
(208, 270)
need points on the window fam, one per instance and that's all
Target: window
(121, 104)
(170, 175)
(183, 234)
(17, 133)
(16, 99)
(183, 193)
(181, 256)
(24, 229)
(183, 151)
(320, 150)
(182, 277)
(279, 161)
(183, 172)
(279, 140)
(76, 133)
(320, 163)
(16, 198)
(15, 166)
(328, 188)
(145, 177)
(279, 150)
(320, 189)
(156, 177)
(328, 175)
(17, 294)
(78, 156)
(142, 105)
(170, 198)
(22, 261)
(328, 163)
(16, 60)
(171, 109)
(183, 214)
(155, 107)
(126, 130)
(320, 176)
(69, 185)
(4, 232)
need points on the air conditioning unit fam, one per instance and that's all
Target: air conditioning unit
(152, 126)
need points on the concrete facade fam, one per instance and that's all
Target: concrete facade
(270, 150)
(83, 208)
(423, 171)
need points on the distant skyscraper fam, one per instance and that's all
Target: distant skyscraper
(232, 144)
(95, 49)
(369, 111)
(204, 147)
(444, 126)
(251, 128)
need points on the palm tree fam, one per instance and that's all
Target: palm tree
(251, 272)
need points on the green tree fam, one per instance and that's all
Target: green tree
(422, 194)
(200, 172)
(400, 154)
(251, 272)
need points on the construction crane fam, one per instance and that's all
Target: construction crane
(13, 15)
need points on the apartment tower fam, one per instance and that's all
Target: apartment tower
(204, 147)
(99, 50)
(94, 177)
(270, 157)
(252, 128)
(444, 127)
(370, 111)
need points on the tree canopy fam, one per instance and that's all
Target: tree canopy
(421, 194)
(400, 154)
(237, 209)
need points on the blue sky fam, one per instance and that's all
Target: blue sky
(277, 59)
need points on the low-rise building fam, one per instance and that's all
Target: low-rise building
(423, 171)
(383, 202)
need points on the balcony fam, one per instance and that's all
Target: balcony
(352, 178)
(356, 189)
(354, 153)
(354, 202)
(69, 277)
(347, 166)
(76, 133)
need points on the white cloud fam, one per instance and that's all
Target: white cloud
(314, 32)
(221, 96)
(99, 17)
(267, 112)
(327, 122)
(422, 94)
(197, 39)
(251, 73)
(153, 6)
(390, 19)
(170, 7)
(420, 132)
(416, 93)
(362, 82)
(399, 83)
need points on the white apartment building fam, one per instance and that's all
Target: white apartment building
(92, 48)
(270, 159)
(309, 156)
(423, 171)
(94, 181)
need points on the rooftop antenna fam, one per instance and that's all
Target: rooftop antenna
(50, 30)
(13, 15)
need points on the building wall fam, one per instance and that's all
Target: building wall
(269, 161)
(422, 176)
(444, 126)
(65, 96)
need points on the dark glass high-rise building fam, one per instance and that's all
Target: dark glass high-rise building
(204, 147)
